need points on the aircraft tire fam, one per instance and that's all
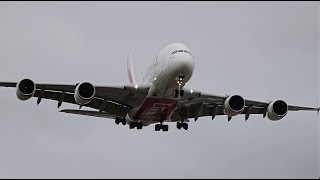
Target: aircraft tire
(185, 126)
(139, 125)
(181, 93)
(165, 128)
(157, 127)
(131, 125)
(117, 121)
(179, 125)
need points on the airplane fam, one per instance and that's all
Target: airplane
(158, 98)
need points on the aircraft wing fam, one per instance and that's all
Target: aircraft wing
(114, 100)
(195, 104)
(90, 113)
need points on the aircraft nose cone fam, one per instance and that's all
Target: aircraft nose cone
(185, 65)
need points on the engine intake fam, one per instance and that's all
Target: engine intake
(233, 105)
(25, 89)
(84, 93)
(277, 110)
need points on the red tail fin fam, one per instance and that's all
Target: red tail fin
(130, 69)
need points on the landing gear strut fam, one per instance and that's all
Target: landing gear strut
(179, 90)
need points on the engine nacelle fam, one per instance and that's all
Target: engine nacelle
(233, 105)
(25, 89)
(84, 93)
(277, 110)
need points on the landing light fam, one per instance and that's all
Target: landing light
(136, 86)
(191, 91)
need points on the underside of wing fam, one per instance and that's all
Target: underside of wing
(195, 104)
(200, 110)
(116, 100)
(96, 103)
(90, 113)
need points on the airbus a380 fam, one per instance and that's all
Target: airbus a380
(160, 97)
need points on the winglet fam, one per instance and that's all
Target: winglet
(318, 111)
(130, 69)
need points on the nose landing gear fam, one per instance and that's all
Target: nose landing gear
(179, 91)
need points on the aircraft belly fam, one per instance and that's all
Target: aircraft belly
(155, 109)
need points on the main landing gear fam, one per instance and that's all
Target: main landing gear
(160, 126)
(182, 125)
(179, 91)
(132, 125)
(120, 120)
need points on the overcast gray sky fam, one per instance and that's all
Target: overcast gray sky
(260, 50)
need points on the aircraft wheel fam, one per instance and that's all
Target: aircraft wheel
(157, 127)
(139, 125)
(131, 125)
(176, 93)
(179, 125)
(165, 128)
(117, 121)
(185, 126)
(181, 93)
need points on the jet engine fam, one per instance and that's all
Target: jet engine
(233, 105)
(25, 89)
(277, 110)
(84, 93)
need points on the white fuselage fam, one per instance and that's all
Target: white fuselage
(172, 61)
(166, 67)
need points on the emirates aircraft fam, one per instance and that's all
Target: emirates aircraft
(160, 97)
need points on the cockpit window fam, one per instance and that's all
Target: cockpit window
(180, 51)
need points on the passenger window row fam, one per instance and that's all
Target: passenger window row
(181, 51)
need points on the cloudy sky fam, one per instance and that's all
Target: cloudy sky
(260, 50)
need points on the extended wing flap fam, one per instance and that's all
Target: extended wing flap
(89, 113)
(208, 110)
(300, 108)
(8, 84)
